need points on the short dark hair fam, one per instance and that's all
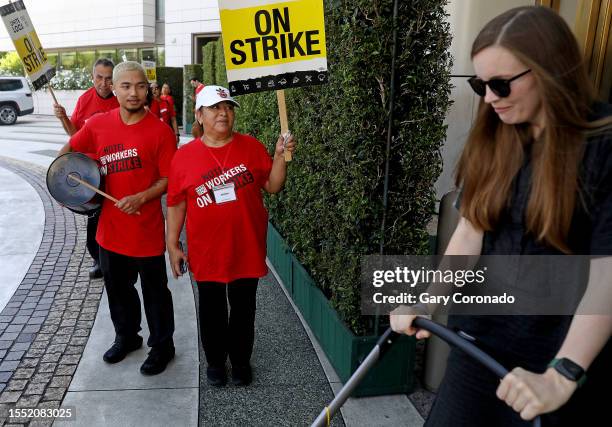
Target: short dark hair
(105, 62)
(196, 78)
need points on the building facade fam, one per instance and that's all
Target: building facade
(172, 33)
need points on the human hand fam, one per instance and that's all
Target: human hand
(532, 394)
(176, 255)
(282, 145)
(59, 111)
(402, 317)
(130, 204)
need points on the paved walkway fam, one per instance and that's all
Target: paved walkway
(55, 326)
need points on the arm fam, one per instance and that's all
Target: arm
(466, 240)
(60, 113)
(131, 204)
(532, 394)
(65, 149)
(175, 127)
(278, 174)
(174, 225)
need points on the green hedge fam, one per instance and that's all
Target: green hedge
(330, 211)
(209, 63)
(213, 72)
(174, 77)
(220, 73)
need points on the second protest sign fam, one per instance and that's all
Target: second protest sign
(273, 45)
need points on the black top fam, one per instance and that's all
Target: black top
(591, 229)
(532, 341)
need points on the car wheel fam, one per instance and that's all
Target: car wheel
(8, 115)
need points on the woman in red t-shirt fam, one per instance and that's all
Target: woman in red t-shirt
(169, 112)
(216, 182)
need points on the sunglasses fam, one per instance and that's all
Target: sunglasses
(500, 87)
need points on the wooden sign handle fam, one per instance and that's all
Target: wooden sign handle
(282, 113)
(52, 93)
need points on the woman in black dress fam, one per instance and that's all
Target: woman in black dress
(536, 179)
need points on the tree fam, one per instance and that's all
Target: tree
(10, 65)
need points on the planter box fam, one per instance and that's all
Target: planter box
(345, 350)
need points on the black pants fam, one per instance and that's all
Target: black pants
(92, 227)
(120, 275)
(222, 334)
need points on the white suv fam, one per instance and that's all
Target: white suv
(15, 99)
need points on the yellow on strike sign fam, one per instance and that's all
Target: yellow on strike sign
(27, 44)
(271, 45)
(150, 69)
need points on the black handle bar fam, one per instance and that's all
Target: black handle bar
(382, 346)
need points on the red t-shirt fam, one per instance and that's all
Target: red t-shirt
(90, 103)
(170, 100)
(166, 111)
(154, 108)
(132, 158)
(226, 241)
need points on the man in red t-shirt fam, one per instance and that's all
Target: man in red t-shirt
(97, 99)
(134, 150)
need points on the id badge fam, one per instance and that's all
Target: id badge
(224, 193)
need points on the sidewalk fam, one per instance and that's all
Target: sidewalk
(55, 326)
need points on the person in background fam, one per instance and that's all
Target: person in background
(536, 179)
(97, 99)
(216, 183)
(196, 129)
(169, 113)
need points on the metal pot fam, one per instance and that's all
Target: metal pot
(70, 193)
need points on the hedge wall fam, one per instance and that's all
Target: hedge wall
(213, 72)
(174, 77)
(209, 63)
(330, 211)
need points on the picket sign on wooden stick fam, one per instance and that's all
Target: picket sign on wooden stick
(273, 45)
(282, 113)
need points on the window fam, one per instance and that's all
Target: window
(161, 56)
(160, 10)
(52, 57)
(86, 59)
(128, 55)
(67, 60)
(9, 85)
(108, 54)
(147, 54)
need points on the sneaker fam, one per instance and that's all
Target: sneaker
(95, 272)
(157, 361)
(242, 375)
(120, 349)
(216, 377)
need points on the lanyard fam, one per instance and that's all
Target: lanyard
(215, 157)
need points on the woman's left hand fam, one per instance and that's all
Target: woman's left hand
(532, 394)
(281, 146)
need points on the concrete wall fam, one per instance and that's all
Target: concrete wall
(43, 102)
(184, 18)
(75, 23)
(467, 17)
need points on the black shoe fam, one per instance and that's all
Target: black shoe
(120, 349)
(157, 360)
(95, 272)
(242, 375)
(216, 377)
